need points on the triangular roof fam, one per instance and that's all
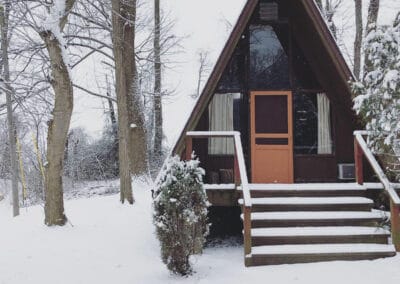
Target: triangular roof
(323, 34)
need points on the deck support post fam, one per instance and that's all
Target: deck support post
(358, 158)
(189, 148)
(247, 234)
(395, 224)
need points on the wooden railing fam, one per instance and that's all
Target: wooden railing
(240, 176)
(361, 150)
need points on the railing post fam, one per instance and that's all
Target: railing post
(247, 234)
(395, 224)
(358, 158)
(236, 170)
(189, 148)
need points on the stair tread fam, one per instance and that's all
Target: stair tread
(322, 249)
(307, 186)
(318, 231)
(316, 215)
(308, 200)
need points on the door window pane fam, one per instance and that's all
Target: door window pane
(271, 114)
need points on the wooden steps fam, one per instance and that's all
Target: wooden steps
(318, 235)
(265, 204)
(288, 254)
(306, 190)
(314, 222)
(318, 218)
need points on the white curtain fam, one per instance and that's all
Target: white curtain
(221, 119)
(324, 125)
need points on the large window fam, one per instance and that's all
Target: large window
(269, 64)
(304, 76)
(224, 115)
(232, 78)
(312, 127)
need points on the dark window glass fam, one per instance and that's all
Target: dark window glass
(236, 113)
(305, 124)
(269, 68)
(271, 114)
(230, 79)
(303, 74)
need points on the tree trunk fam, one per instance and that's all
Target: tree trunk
(5, 12)
(138, 133)
(158, 119)
(59, 124)
(358, 38)
(114, 129)
(373, 11)
(123, 22)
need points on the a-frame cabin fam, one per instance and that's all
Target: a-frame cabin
(273, 128)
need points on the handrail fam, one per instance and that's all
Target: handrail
(240, 156)
(376, 167)
(239, 167)
(361, 149)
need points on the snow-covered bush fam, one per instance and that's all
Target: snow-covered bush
(180, 213)
(378, 100)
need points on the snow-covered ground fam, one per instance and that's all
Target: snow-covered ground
(106, 242)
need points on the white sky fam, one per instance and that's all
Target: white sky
(203, 23)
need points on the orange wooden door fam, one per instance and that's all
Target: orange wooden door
(271, 137)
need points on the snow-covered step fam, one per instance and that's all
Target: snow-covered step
(318, 235)
(311, 204)
(316, 218)
(221, 187)
(286, 254)
(307, 190)
(306, 186)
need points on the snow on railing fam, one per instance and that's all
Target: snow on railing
(240, 176)
(361, 149)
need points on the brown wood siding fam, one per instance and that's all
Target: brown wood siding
(323, 56)
(315, 168)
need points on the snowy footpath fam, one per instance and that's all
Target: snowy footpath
(106, 242)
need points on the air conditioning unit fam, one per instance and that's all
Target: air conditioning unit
(346, 171)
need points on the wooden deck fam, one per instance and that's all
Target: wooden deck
(291, 223)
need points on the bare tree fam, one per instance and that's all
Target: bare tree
(358, 38)
(319, 3)
(123, 22)
(58, 126)
(331, 7)
(4, 15)
(373, 11)
(158, 118)
(204, 69)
